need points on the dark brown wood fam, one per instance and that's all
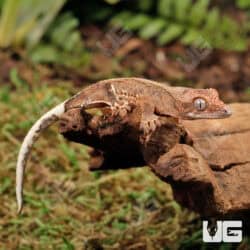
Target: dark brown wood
(207, 162)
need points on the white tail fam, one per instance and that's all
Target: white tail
(44, 122)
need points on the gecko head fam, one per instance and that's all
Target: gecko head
(201, 104)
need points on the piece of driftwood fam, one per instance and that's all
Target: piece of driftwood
(220, 182)
(207, 162)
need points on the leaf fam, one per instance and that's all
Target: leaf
(228, 26)
(165, 8)
(8, 21)
(119, 225)
(112, 1)
(198, 12)
(171, 33)
(182, 8)
(6, 183)
(44, 54)
(16, 80)
(145, 5)
(152, 29)
(137, 22)
(63, 29)
(236, 44)
(72, 41)
(212, 20)
(243, 4)
(67, 244)
(190, 37)
(1, 4)
(42, 25)
(121, 18)
(5, 94)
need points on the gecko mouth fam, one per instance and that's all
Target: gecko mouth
(220, 114)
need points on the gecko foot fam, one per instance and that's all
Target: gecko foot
(148, 127)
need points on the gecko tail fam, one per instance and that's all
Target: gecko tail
(44, 122)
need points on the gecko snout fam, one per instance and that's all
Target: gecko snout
(227, 111)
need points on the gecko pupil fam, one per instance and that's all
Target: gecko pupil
(200, 104)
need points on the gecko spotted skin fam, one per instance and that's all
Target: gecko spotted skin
(122, 96)
(155, 100)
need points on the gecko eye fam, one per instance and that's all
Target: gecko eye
(200, 104)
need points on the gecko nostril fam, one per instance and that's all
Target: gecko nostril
(227, 111)
(74, 126)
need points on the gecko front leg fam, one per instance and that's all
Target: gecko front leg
(149, 121)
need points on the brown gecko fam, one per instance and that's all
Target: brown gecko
(121, 97)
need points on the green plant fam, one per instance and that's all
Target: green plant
(112, 1)
(1, 4)
(62, 43)
(243, 4)
(36, 25)
(26, 21)
(190, 22)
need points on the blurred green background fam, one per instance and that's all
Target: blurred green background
(49, 50)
